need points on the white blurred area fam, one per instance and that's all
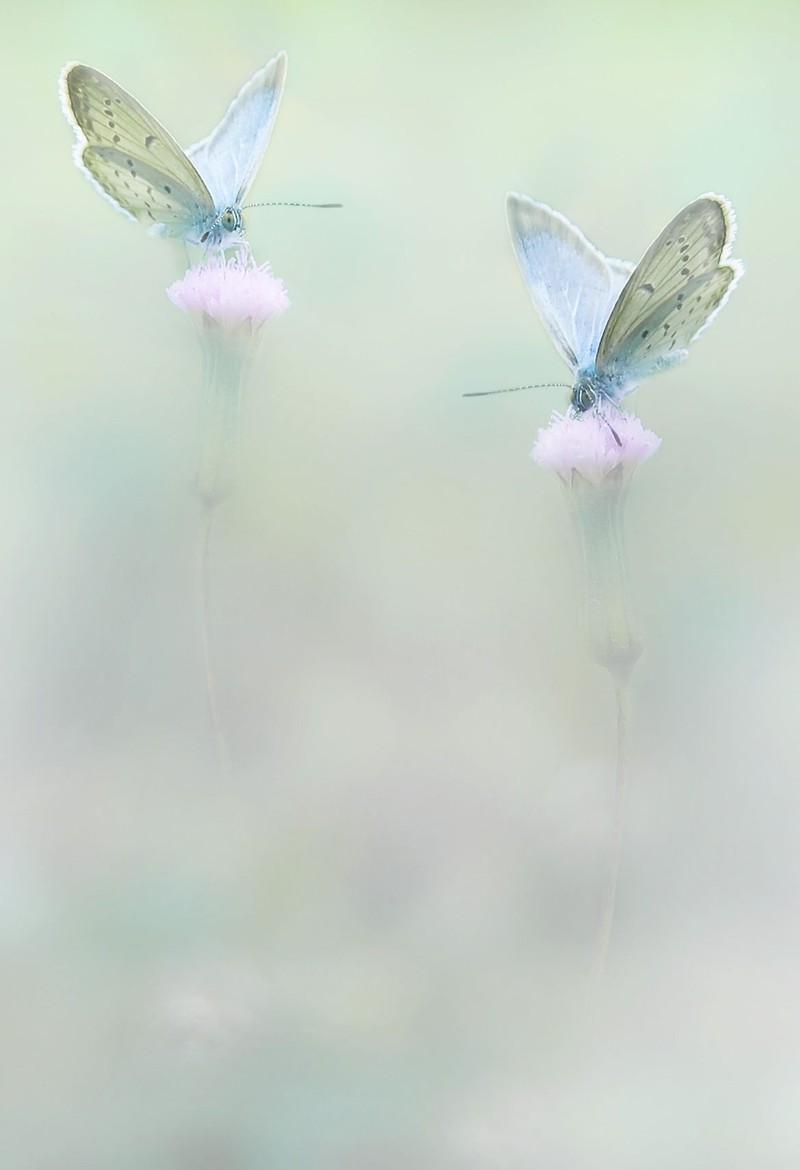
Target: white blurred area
(369, 949)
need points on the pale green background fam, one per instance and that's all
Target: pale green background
(369, 951)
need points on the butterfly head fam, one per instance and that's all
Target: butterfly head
(593, 389)
(226, 230)
(585, 393)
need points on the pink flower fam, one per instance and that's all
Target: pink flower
(234, 293)
(595, 455)
(594, 444)
(230, 299)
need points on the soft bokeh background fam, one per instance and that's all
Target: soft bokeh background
(368, 951)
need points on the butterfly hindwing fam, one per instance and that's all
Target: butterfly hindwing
(674, 292)
(572, 284)
(231, 154)
(147, 193)
(113, 128)
(660, 339)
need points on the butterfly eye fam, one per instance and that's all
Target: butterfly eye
(584, 395)
(229, 219)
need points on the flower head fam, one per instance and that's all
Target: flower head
(594, 445)
(234, 293)
(595, 455)
(230, 299)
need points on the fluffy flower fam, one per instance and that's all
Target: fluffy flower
(230, 299)
(234, 293)
(594, 445)
(595, 455)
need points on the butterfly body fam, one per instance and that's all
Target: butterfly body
(138, 166)
(613, 322)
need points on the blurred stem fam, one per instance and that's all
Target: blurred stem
(226, 360)
(607, 923)
(218, 724)
(598, 514)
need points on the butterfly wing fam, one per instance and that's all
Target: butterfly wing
(675, 291)
(230, 156)
(572, 284)
(140, 191)
(131, 158)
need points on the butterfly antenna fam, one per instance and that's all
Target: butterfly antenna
(252, 205)
(513, 389)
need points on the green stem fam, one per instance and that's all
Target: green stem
(226, 362)
(609, 906)
(598, 512)
(217, 721)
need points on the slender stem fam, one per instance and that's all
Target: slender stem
(607, 924)
(598, 513)
(226, 361)
(220, 735)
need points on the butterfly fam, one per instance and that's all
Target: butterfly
(613, 322)
(138, 166)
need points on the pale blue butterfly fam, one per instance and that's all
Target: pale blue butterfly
(613, 322)
(137, 164)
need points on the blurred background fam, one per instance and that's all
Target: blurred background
(368, 949)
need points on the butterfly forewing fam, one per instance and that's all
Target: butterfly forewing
(675, 289)
(573, 286)
(230, 156)
(135, 161)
